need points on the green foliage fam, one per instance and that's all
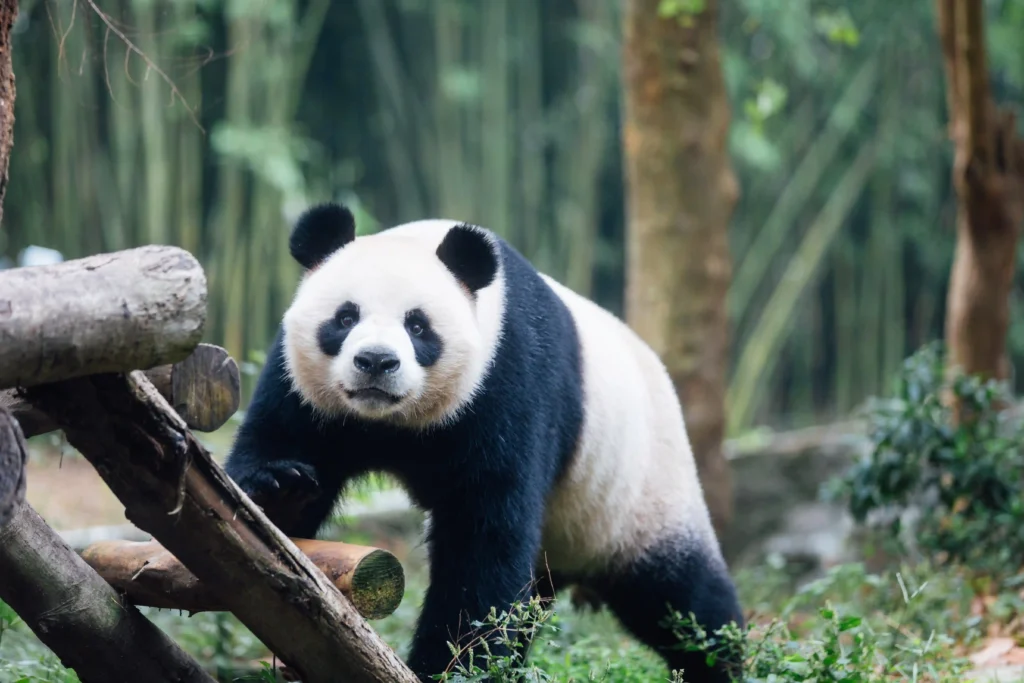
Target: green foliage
(851, 626)
(838, 26)
(769, 99)
(848, 626)
(22, 658)
(962, 481)
(682, 10)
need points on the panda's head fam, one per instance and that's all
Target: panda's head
(389, 326)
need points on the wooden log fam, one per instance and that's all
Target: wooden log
(13, 456)
(116, 312)
(68, 605)
(204, 389)
(371, 578)
(173, 489)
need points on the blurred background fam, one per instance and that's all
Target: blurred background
(211, 124)
(233, 115)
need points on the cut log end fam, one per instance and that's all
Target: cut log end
(378, 584)
(205, 388)
(371, 578)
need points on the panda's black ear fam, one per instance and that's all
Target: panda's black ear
(320, 231)
(471, 255)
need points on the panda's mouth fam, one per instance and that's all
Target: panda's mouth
(373, 394)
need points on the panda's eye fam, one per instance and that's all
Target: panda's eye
(416, 323)
(347, 315)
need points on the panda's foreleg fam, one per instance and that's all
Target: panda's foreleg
(677, 576)
(482, 552)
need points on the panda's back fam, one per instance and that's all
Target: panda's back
(633, 480)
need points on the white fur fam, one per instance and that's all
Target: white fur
(386, 275)
(634, 480)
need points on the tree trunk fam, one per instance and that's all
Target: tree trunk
(8, 13)
(681, 191)
(988, 173)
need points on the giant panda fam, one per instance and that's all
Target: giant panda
(542, 437)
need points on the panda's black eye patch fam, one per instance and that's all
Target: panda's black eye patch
(426, 344)
(332, 333)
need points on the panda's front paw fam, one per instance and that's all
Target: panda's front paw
(281, 479)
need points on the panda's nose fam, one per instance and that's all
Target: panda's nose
(376, 362)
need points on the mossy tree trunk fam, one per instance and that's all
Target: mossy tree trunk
(681, 191)
(988, 173)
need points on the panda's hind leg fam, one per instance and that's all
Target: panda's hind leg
(687, 579)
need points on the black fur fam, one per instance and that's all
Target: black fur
(319, 232)
(427, 345)
(332, 333)
(485, 478)
(469, 255)
(676, 574)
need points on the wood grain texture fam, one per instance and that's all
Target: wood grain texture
(66, 604)
(150, 575)
(173, 489)
(13, 456)
(117, 312)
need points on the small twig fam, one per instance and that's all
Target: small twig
(150, 64)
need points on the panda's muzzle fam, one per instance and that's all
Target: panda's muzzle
(376, 367)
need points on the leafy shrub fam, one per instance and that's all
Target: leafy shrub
(958, 485)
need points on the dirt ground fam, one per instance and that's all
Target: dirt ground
(69, 494)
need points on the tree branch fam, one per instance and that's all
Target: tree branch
(65, 603)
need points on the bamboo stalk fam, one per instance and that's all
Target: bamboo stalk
(759, 357)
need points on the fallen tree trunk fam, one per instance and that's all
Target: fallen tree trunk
(117, 312)
(371, 578)
(172, 488)
(66, 604)
(204, 389)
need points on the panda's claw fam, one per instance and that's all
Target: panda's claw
(288, 479)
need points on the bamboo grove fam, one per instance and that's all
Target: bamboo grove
(209, 123)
